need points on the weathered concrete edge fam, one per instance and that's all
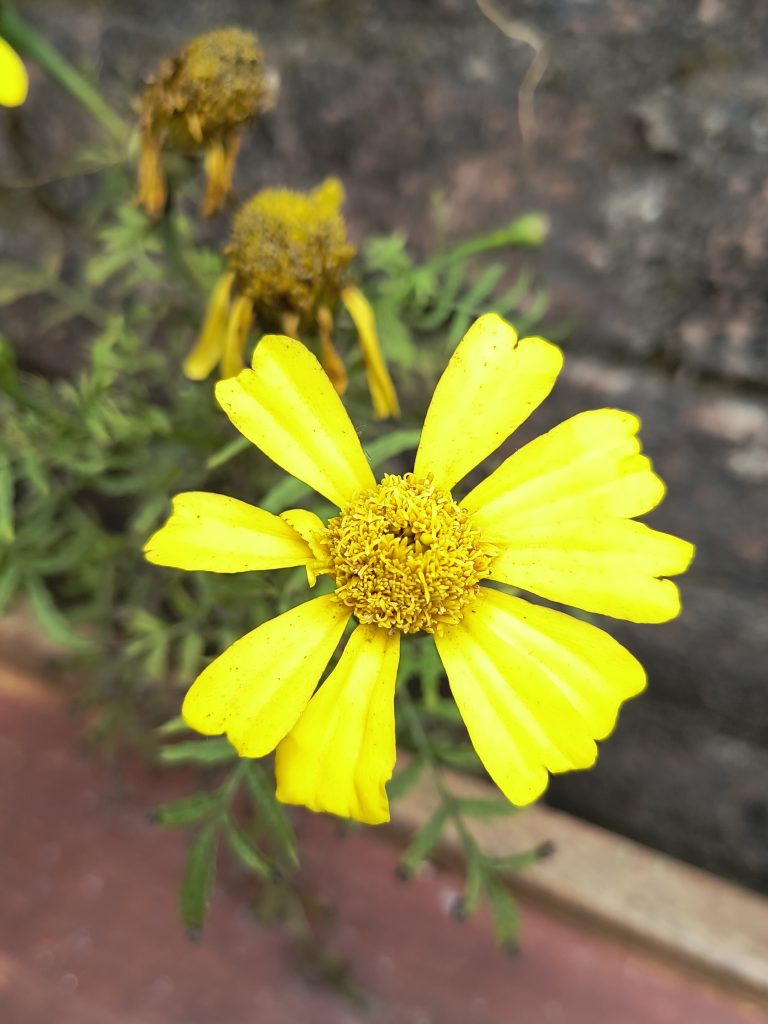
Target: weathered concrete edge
(677, 912)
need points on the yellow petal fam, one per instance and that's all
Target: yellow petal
(210, 345)
(237, 334)
(256, 689)
(287, 407)
(307, 524)
(587, 467)
(219, 163)
(219, 534)
(330, 359)
(14, 83)
(492, 383)
(383, 394)
(151, 192)
(535, 688)
(341, 752)
(607, 566)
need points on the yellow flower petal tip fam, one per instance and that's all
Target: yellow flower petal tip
(215, 533)
(256, 690)
(14, 81)
(341, 752)
(537, 688)
(287, 406)
(492, 383)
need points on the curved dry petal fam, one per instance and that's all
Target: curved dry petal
(341, 752)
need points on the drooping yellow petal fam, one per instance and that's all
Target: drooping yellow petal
(210, 345)
(535, 688)
(14, 83)
(287, 407)
(219, 163)
(492, 383)
(215, 533)
(151, 192)
(330, 359)
(383, 394)
(608, 566)
(256, 690)
(587, 467)
(341, 752)
(238, 327)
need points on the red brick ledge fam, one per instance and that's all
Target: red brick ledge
(677, 912)
(683, 916)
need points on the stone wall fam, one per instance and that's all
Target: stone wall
(650, 159)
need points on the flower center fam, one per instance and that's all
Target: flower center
(289, 250)
(405, 556)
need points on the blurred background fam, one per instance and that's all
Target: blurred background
(647, 151)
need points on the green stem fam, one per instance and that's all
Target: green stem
(425, 750)
(78, 304)
(527, 231)
(24, 38)
(175, 250)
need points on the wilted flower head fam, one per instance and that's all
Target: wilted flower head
(289, 251)
(13, 77)
(287, 262)
(197, 101)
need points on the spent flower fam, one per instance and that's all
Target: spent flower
(197, 102)
(536, 687)
(287, 263)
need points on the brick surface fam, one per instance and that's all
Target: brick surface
(89, 932)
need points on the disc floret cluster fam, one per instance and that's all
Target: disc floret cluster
(405, 556)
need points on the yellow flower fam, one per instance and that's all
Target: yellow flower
(536, 687)
(197, 101)
(287, 261)
(14, 83)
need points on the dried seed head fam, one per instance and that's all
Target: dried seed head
(215, 83)
(289, 251)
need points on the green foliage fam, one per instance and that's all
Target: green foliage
(423, 309)
(89, 463)
(199, 876)
(486, 874)
(239, 814)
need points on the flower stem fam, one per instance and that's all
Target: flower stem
(426, 752)
(28, 41)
